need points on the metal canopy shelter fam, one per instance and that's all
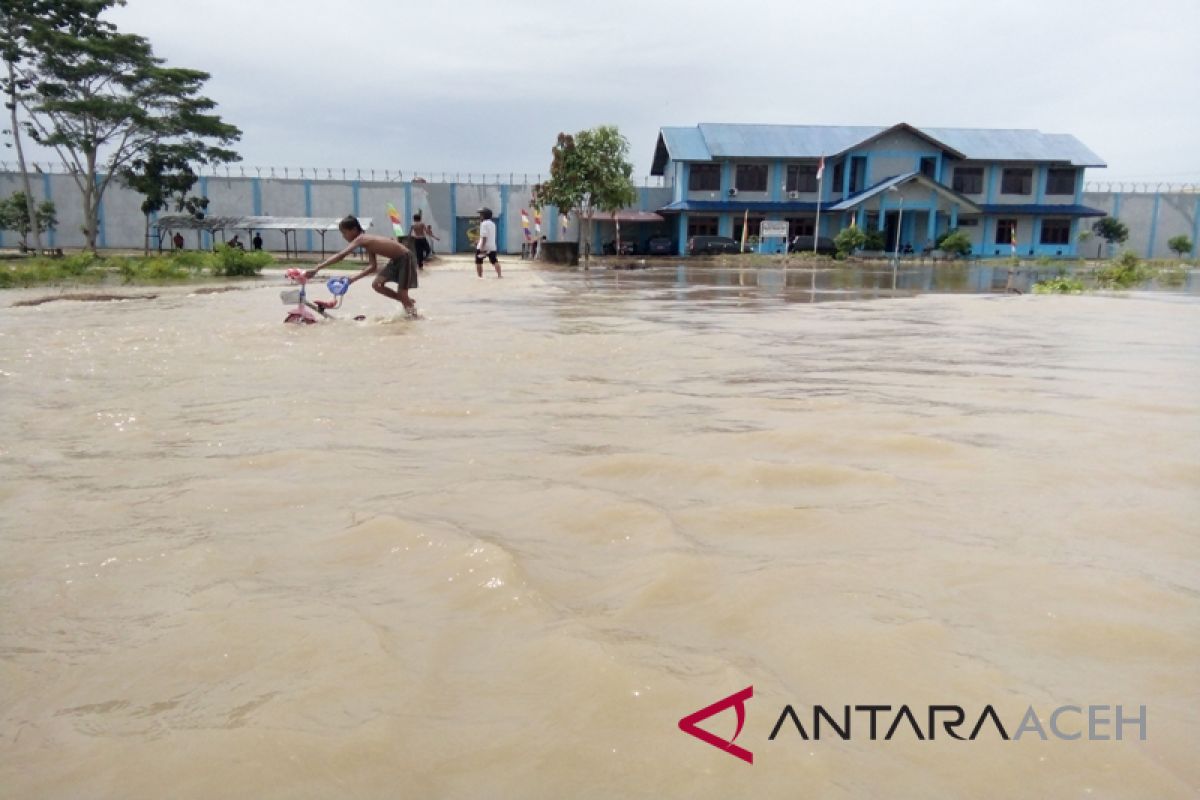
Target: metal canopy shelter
(285, 225)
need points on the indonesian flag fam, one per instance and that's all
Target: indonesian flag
(537, 222)
(525, 225)
(1013, 240)
(397, 222)
(820, 167)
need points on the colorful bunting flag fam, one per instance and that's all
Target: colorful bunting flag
(397, 221)
(525, 225)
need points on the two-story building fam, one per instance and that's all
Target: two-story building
(1001, 187)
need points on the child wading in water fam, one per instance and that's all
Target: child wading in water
(401, 266)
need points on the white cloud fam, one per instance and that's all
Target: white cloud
(478, 85)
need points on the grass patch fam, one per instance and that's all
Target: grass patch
(88, 268)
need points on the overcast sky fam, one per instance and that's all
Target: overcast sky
(473, 86)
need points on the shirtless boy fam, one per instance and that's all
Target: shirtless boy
(400, 268)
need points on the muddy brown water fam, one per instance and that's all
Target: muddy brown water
(501, 551)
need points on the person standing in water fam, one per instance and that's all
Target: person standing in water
(401, 267)
(486, 246)
(421, 232)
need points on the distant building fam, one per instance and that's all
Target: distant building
(992, 184)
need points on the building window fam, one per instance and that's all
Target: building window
(1060, 181)
(928, 167)
(751, 178)
(968, 222)
(968, 180)
(801, 227)
(801, 178)
(1056, 231)
(704, 178)
(839, 170)
(1017, 180)
(1004, 230)
(858, 168)
(702, 226)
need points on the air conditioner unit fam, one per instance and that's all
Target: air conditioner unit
(793, 195)
(733, 192)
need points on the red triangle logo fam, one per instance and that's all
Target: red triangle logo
(738, 701)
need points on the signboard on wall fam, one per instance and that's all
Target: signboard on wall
(773, 228)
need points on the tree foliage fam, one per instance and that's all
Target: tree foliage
(22, 22)
(104, 102)
(1181, 245)
(589, 172)
(14, 216)
(1111, 230)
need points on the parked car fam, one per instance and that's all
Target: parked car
(628, 247)
(804, 244)
(711, 245)
(660, 246)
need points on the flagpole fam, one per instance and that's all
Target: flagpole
(820, 192)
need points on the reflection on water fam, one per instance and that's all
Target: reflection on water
(800, 283)
(501, 551)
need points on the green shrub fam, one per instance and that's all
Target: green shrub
(1063, 284)
(1124, 272)
(873, 240)
(1174, 275)
(1044, 261)
(955, 242)
(79, 263)
(233, 261)
(849, 240)
(194, 260)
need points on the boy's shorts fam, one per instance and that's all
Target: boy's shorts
(402, 270)
(479, 256)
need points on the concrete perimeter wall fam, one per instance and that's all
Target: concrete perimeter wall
(442, 205)
(1153, 217)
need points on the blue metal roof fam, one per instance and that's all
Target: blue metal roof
(998, 144)
(709, 141)
(726, 206)
(782, 141)
(1044, 210)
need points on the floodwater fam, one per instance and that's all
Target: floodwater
(500, 552)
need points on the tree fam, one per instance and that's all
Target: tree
(20, 22)
(14, 216)
(590, 172)
(1181, 245)
(1111, 230)
(164, 175)
(104, 100)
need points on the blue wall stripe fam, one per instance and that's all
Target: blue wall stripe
(103, 240)
(1196, 228)
(51, 235)
(408, 209)
(256, 195)
(308, 235)
(355, 186)
(1153, 226)
(502, 224)
(454, 216)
